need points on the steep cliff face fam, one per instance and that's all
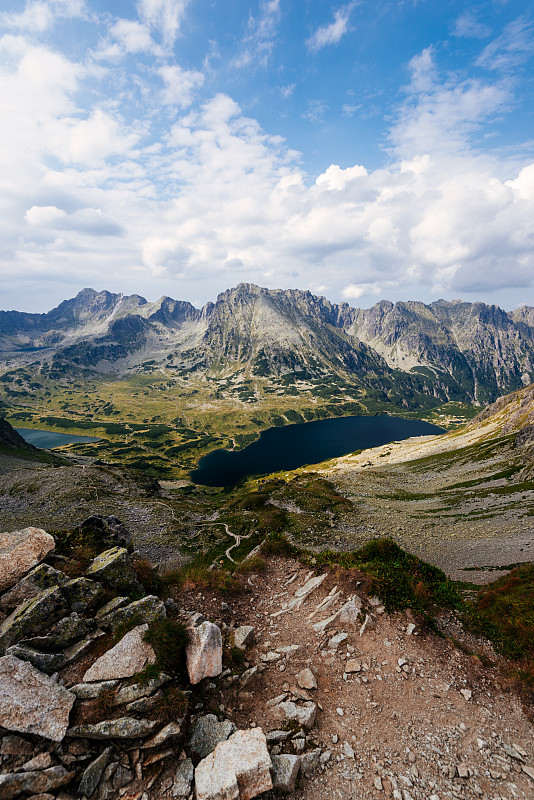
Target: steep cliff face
(450, 350)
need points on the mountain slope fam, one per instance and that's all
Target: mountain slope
(459, 351)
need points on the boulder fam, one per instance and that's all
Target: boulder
(170, 731)
(285, 771)
(204, 652)
(44, 662)
(31, 702)
(123, 728)
(128, 694)
(183, 779)
(12, 784)
(41, 577)
(20, 551)
(149, 609)
(114, 569)
(82, 593)
(116, 602)
(90, 691)
(238, 769)
(68, 630)
(32, 617)
(107, 531)
(129, 656)
(291, 712)
(93, 773)
(206, 733)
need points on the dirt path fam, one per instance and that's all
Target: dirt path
(402, 713)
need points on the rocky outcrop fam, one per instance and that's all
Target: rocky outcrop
(204, 652)
(20, 551)
(238, 769)
(129, 656)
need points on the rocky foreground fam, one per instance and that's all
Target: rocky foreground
(303, 685)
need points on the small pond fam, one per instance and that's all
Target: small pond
(294, 446)
(49, 439)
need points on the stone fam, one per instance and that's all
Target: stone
(275, 737)
(183, 779)
(44, 662)
(206, 733)
(247, 676)
(512, 752)
(12, 784)
(309, 762)
(113, 605)
(82, 593)
(306, 679)
(135, 691)
(114, 569)
(93, 773)
(68, 630)
(170, 731)
(285, 772)
(204, 652)
(15, 746)
(33, 616)
(145, 704)
(336, 640)
(353, 665)
(466, 693)
(310, 586)
(123, 728)
(463, 771)
(348, 750)
(290, 712)
(528, 771)
(41, 577)
(40, 761)
(129, 656)
(349, 613)
(20, 551)
(237, 768)
(90, 691)
(147, 610)
(243, 636)
(31, 702)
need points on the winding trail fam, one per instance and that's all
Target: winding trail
(237, 539)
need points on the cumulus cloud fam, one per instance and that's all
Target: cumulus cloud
(209, 198)
(180, 85)
(164, 16)
(40, 15)
(332, 33)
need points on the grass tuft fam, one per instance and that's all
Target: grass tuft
(168, 639)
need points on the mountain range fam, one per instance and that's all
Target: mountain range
(448, 350)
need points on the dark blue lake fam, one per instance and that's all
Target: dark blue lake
(309, 443)
(49, 439)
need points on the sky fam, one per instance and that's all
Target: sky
(361, 150)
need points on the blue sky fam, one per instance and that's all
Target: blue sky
(360, 150)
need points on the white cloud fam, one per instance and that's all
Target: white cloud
(40, 15)
(180, 85)
(332, 33)
(165, 16)
(468, 25)
(511, 49)
(132, 36)
(315, 111)
(196, 204)
(260, 38)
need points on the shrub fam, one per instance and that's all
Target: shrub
(504, 611)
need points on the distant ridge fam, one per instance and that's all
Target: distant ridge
(450, 350)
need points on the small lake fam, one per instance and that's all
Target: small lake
(49, 439)
(308, 443)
